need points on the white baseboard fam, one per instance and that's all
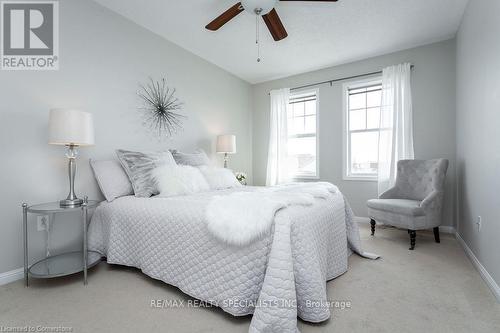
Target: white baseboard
(11, 276)
(360, 219)
(447, 229)
(490, 282)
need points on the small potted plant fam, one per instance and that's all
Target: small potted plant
(242, 177)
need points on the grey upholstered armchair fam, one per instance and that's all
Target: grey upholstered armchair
(416, 201)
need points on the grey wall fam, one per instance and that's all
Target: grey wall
(478, 135)
(103, 57)
(434, 117)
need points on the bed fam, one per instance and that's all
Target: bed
(276, 278)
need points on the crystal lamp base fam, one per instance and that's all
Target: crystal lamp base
(71, 203)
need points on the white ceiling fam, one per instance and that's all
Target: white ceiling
(320, 34)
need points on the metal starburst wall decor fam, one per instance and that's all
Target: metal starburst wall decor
(161, 108)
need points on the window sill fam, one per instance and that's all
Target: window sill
(305, 177)
(360, 179)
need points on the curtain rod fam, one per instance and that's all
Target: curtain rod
(340, 79)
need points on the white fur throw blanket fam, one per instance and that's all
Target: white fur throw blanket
(243, 217)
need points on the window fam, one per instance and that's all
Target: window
(302, 134)
(362, 101)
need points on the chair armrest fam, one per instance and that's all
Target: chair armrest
(433, 200)
(391, 193)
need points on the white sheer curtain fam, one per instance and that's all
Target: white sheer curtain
(396, 123)
(277, 171)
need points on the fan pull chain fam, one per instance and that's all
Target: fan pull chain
(257, 36)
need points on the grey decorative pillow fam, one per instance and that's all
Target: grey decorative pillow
(112, 179)
(198, 158)
(139, 167)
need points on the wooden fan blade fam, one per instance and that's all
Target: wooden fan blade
(225, 17)
(275, 26)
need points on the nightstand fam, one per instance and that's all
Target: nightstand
(65, 263)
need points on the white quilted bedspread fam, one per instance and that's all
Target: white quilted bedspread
(276, 278)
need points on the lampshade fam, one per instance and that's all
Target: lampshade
(226, 144)
(70, 127)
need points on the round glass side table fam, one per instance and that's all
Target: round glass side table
(65, 263)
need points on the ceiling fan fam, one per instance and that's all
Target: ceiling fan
(264, 8)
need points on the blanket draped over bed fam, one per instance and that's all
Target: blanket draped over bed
(278, 276)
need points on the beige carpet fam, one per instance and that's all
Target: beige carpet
(432, 289)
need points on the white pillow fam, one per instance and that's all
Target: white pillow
(172, 180)
(219, 178)
(112, 179)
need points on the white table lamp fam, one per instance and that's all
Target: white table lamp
(226, 144)
(71, 128)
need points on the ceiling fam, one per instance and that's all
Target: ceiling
(320, 34)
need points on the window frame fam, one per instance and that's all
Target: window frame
(306, 91)
(346, 150)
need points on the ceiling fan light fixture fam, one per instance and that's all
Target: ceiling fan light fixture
(258, 7)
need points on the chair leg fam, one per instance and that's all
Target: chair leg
(413, 236)
(436, 235)
(373, 223)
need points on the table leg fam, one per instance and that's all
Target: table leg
(84, 213)
(48, 228)
(25, 243)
